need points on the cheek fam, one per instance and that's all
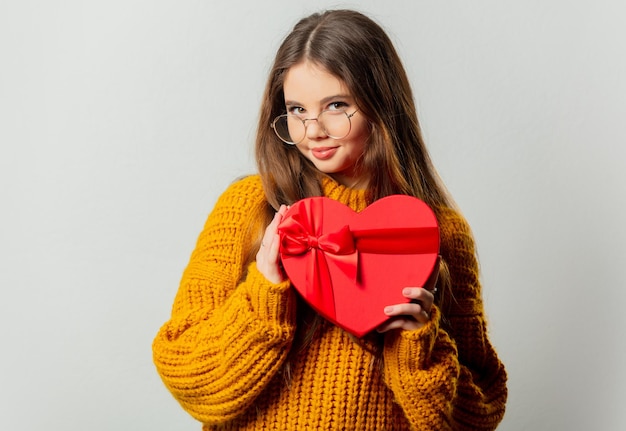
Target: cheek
(360, 133)
(359, 125)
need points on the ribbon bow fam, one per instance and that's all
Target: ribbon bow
(301, 233)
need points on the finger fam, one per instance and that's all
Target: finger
(420, 296)
(274, 248)
(389, 325)
(414, 310)
(267, 257)
(275, 238)
(268, 261)
(407, 324)
(272, 229)
(278, 218)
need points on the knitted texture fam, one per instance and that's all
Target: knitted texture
(223, 353)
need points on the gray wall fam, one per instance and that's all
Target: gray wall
(122, 121)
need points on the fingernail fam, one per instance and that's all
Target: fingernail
(388, 310)
(406, 291)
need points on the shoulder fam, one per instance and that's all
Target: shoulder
(249, 185)
(243, 193)
(243, 198)
(451, 220)
(454, 230)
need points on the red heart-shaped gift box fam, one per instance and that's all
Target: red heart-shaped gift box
(348, 266)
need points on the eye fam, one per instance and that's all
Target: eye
(337, 106)
(295, 110)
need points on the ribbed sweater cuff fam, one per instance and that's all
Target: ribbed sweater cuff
(271, 301)
(415, 347)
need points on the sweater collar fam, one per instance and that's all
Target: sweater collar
(355, 199)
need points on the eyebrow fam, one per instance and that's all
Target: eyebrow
(322, 101)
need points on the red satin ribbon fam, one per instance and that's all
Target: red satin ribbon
(301, 233)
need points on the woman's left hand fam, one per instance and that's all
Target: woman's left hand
(416, 313)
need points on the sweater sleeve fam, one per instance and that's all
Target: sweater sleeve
(226, 338)
(447, 375)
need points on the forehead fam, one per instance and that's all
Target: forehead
(307, 82)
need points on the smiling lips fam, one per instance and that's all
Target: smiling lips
(323, 153)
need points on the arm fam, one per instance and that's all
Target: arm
(449, 379)
(226, 339)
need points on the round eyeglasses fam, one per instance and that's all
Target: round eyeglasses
(291, 129)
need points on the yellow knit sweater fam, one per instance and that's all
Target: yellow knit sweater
(223, 353)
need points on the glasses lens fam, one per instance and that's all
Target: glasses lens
(289, 128)
(336, 123)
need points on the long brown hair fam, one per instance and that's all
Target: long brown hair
(356, 50)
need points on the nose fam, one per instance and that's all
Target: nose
(314, 130)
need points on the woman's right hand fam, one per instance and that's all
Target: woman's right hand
(267, 258)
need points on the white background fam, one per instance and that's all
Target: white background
(122, 121)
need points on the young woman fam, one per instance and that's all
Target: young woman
(242, 351)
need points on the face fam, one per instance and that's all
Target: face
(309, 90)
